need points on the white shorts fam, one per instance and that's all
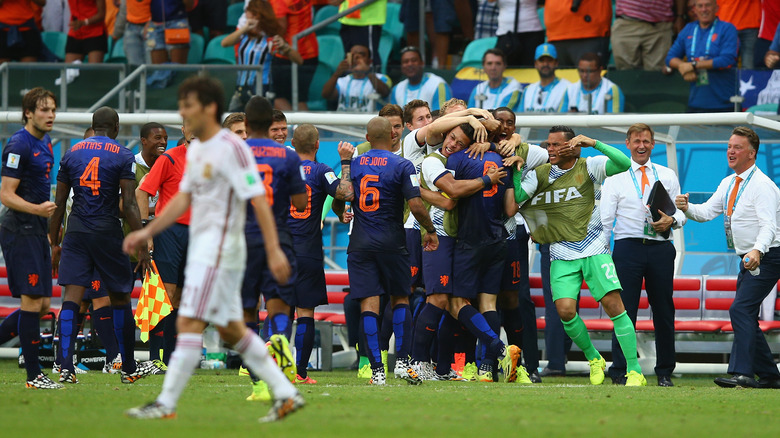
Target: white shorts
(212, 294)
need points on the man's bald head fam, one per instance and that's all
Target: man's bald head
(379, 132)
(305, 139)
(106, 120)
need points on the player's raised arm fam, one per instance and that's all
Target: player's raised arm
(618, 161)
(345, 191)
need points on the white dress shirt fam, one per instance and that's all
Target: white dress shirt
(623, 212)
(756, 213)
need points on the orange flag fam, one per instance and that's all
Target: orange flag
(153, 305)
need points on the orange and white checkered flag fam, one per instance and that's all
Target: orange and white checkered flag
(153, 305)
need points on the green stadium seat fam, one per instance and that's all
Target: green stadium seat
(321, 75)
(324, 13)
(331, 50)
(55, 41)
(393, 25)
(197, 44)
(117, 53)
(216, 54)
(766, 108)
(234, 12)
(385, 49)
(472, 56)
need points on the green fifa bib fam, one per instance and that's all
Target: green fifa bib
(560, 211)
(451, 216)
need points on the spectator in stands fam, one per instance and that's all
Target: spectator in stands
(773, 54)
(362, 90)
(578, 27)
(138, 14)
(438, 24)
(519, 31)
(419, 85)
(498, 90)
(87, 34)
(642, 253)
(549, 94)
(256, 38)
(169, 31)
(594, 94)
(294, 16)
(770, 18)
(363, 27)
(642, 32)
(751, 214)
(487, 19)
(20, 37)
(745, 15)
(211, 14)
(236, 123)
(710, 47)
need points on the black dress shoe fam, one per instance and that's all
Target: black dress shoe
(665, 381)
(736, 380)
(619, 380)
(535, 378)
(769, 383)
(547, 372)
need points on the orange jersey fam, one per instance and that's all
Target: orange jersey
(16, 12)
(111, 11)
(139, 12)
(743, 14)
(299, 18)
(81, 10)
(592, 20)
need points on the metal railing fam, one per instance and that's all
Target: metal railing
(311, 30)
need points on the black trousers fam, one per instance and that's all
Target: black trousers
(652, 262)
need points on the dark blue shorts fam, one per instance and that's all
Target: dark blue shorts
(510, 281)
(87, 254)
(443, 17)
(258, 279)
(374, 274)
(437, 267)
(414, 246)
(96, 289)
(310, 289)
(478, 270)
(28, 260)
(170, 253)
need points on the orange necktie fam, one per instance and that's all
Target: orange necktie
(645, 181)
(733, 196)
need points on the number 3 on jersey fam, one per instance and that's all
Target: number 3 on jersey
(267, 172)
(90, 178)
(366, 191)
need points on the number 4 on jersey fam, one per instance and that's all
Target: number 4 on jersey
(90, 176)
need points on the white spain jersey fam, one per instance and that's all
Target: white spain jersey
(221, 176)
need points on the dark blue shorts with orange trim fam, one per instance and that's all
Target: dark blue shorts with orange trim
(28, 260)
(437, 267)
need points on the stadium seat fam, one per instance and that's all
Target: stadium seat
(55, 41)
(234, 12)
(331, 51)
(764, 109)
(472, 56)
(118, 52)
(216, 54)
(385, 49)
(393, 25)
(321, 75)
(197, 43)
(324, 13)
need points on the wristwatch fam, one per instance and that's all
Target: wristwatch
(674, 223)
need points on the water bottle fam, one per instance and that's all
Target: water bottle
(212, 364)
(754, 272)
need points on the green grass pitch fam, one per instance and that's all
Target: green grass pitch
(341, 405)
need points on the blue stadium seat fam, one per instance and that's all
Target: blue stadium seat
(197, 44)
(234, 12)
(322, 14)
(55, 41)
(321, 75)
(331, 50)
(393, 25)
(117, 55)
(385, 49)
(216, 54)
(472, 56)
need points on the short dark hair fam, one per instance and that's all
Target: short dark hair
(233, 119)
(503, 109)
(567, 132)
(259, 114)
(414, 49)
(468, 130)
(33, 97)
(411, 106)
(589, 57)
(494, 51)
(278, 116)
(744, 131)
(207, 91)
(391, 110)
(149, 127)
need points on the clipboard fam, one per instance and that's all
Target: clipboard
(659, 200)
